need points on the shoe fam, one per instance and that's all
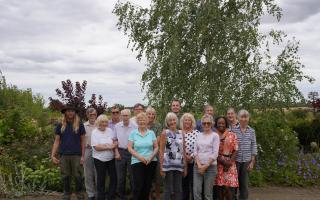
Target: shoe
(91, 198)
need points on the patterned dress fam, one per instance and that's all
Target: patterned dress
(228, 144)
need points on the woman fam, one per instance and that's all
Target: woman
(246, 154)
(143, 147)
(227, 177)
(205, 155)
(188, 125)
(157, 129)
(173, 164)
(232, 119)
(103, 143)
(70, 140)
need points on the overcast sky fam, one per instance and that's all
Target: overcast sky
(43, 42)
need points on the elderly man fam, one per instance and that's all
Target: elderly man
(208, 110)
(115, 117)
(89, 169)
(137, 108)
(123, 158)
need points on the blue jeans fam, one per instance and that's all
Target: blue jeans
(243, 177)
(205, 180)
(123, 166)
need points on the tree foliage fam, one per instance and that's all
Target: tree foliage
(212, 52)
(99, 104)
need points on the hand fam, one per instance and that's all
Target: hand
(162, 173)
(82, 160)
(185, 172)
(55, 160)
(143, 160)
(188, 159)
(250, 166)
(201, 169)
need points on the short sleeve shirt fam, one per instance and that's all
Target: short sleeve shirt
(102, 137)
(70, 140)
(143, 145)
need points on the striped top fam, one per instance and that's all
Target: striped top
(247, 144)
(174, 152)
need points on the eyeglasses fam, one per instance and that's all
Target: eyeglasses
(116, 112)
(206, 123)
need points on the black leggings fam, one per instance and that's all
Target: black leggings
(142, 179)
(102, 168)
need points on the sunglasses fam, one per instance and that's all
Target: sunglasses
(206, 123)
(116, 112)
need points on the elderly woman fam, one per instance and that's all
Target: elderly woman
(232, 119)
(205, 154)
(227, 177)
(143, 147)
(173, 164)
(157, 129)
(246, 153)
(188, 125)
(103, 142)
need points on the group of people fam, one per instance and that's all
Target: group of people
(205, 159)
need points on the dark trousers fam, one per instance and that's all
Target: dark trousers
(70, 167)
(187, 184)
(102, 168)
(142, 179)
(243, 177)
(124, 166)
(172, 185)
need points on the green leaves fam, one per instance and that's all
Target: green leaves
(212, 51)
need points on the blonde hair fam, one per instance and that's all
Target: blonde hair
(150, 109)
(188, 115)
(101, 118)
(169, 116)
(142, 115)
(75, 123)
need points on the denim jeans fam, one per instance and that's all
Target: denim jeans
(102, 168)
(90, 175)
(205, 180)
(142, 177)
(123, 166)
(243, 177)
(187, 183)
(173, 185)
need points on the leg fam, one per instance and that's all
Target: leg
(209, 177)
(113, 179)
(121, 167)
(138, 171)
(186, 185)
(77, 174)
(101, 178)
(66, 176)
(177, 185)
(148, 178)
(168, 182)
(89, 174)
(243, 180)
(228, 193)
(197, 184)
(219, 192)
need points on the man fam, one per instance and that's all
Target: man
(115, 117)
(137, 108)
(89, 169)
(123, 159)
(176, 107)
(232, 119)
(70, 140)
(208, 110)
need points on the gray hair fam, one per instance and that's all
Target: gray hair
(231, 110)
(169, 116)
(208, 117)
(207, 106)
(90, 110)
(242, 113)
(125, 111)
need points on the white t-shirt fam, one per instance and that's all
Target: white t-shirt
(102, 137)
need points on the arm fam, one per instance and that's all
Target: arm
(155, 150)
(254, 152)
(161, 151)
(83, 146)
(55, 147)
(184, 156)
(134, 153)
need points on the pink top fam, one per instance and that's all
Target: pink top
(207, 147)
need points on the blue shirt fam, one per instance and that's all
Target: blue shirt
(143, 145)
(69, 139)
(247, 144)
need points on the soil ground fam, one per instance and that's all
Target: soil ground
(263, 193)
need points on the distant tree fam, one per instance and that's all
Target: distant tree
(212, 52)
(99, 104)
(314, 100)
(55, 104)
(72, 94)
